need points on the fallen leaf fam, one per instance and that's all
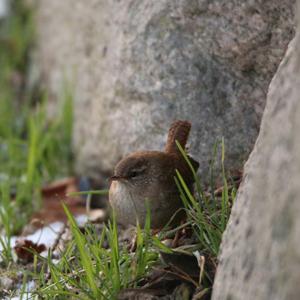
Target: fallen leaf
(53, 195)
(59, 187)
(25, 249)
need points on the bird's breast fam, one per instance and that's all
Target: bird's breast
(130, 203)
(125, 203)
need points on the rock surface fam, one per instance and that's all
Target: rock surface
(260, 256)
(136, 65)
(4, 9)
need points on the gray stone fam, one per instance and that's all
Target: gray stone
(260, 253)
(136, 65)
(6, 283)
(4, 9)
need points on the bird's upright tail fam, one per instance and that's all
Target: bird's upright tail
(179, 131)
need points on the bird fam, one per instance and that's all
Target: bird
(144, 180)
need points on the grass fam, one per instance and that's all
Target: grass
(207, 214)
(34, 149)
(37, 155)
(95, 265)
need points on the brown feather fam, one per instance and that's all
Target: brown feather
(179, 131)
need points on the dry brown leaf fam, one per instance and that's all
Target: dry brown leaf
(25, 249)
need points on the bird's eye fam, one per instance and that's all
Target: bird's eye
(133, 174)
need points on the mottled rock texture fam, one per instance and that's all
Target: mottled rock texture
(260, 256)
(136, 65)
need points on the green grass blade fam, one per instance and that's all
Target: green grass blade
(85, 258)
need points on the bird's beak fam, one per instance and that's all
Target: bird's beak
(115, 178)
(112, 178)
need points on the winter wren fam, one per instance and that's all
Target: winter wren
(149, 176)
